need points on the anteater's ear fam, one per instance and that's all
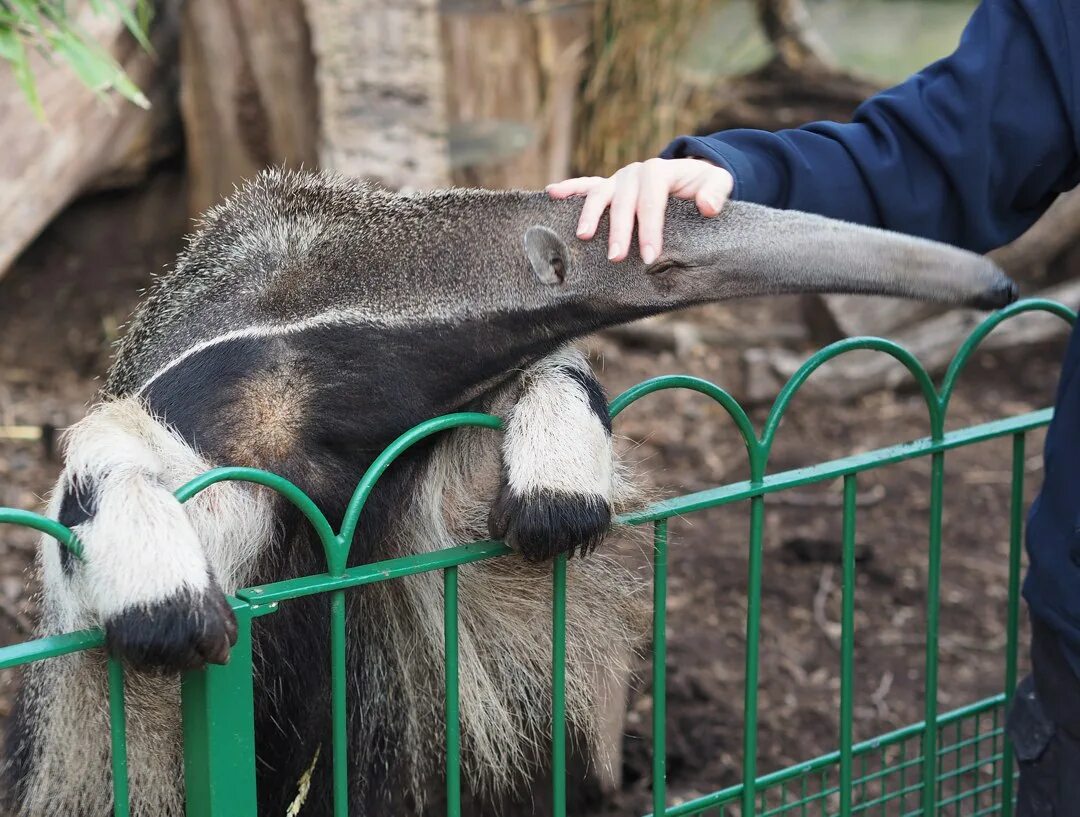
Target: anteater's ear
(548, 254)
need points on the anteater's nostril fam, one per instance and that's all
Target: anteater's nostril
(1001, 293)
(1012, 291)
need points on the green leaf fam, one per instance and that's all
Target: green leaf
(91, 70)
(13, 50)
(28, 11)
(145, 10)
(9, 45)
(132, 23)
(46, 26)
(95, 66)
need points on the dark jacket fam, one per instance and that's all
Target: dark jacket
(970, 151)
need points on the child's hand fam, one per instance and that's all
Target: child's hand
(641, 190)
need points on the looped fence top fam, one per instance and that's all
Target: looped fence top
(336, 545)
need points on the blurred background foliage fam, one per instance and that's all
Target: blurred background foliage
(47, 27)
(883, 39)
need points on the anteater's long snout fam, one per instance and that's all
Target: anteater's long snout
(765, 251)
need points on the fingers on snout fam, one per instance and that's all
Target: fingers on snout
(623, 211)
(713, 187)
(580, 186)
(653, 190)
(596, 202)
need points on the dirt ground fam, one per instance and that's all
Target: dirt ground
(66, 299)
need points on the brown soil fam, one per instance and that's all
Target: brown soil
(67, 296)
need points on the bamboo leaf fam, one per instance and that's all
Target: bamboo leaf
(29, 13)
(45, 26)
(145, 11)
(13, 50)
(98, 70)
(132, 23)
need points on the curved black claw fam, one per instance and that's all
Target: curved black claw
(543, 524)
(185, 631)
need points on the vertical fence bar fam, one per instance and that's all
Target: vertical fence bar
(753, 635)
(337, 703)
(847, 647)
(450, 669)
(998, 767)
(933, 606)
(903, 776)
(958, 759)
(558, 687)
(218, 706)
(118, 737)
(1012, 626)
(977, 760)
(659, 668)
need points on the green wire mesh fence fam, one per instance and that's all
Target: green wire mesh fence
(937, 766)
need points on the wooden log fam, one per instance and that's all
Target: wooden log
(247, 92)
(1027, 259)
(84, 141)
(1058, 229)
(934, 342)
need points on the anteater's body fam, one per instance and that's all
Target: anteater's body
(309, 322)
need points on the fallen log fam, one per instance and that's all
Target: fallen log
(1027, 259)
(934, 342)
(1058, 229)
(682, 336)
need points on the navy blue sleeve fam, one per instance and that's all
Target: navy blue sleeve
(970, 151)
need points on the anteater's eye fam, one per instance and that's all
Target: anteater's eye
(664, 265)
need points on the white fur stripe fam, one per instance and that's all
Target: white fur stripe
(329, 318)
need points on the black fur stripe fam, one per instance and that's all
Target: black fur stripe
(595, 392)
(78, 505)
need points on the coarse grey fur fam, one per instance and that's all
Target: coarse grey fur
(310, 321)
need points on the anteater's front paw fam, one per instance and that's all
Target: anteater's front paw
(184, 631)
(543, 524)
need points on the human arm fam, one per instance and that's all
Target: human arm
(971, 150)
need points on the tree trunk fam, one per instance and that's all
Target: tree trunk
(247, 92)
(85, 142)
(788, 28)
(382, 90)
(515, 72)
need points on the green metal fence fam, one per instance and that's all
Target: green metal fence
(934, 767)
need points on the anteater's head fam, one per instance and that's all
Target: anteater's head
(753, 250)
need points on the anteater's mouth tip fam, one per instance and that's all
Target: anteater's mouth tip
(999, 295)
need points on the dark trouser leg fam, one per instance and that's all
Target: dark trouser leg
(1044, 725)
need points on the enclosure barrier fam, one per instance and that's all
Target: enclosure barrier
(934, 767)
